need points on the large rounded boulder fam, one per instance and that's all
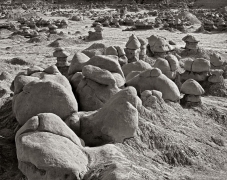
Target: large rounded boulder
(155, 80)
(135, 66)
(96, 88)
(116, 121)
(117, 51)
(48, 149)
(78, 62)
(197, 69)
(107, 62)
(43, 97)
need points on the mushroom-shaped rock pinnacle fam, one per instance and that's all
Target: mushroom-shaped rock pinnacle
(192, 87)
(133, 43)
(201, 65)
(161, 45)
(165, 66)
(190, 38)
(198, 65)
(60, 52)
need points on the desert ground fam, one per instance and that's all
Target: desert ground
(172, 142)
(41, 55)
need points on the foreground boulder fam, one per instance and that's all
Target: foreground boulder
(116, 121)
(43, 97)
(155, 80)
(47, 149)
(96, 88)
(42, 91)
(38, 74)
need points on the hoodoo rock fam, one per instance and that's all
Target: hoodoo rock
(148, 108)
(133, 49)
(216, 76)
(197, 69)
(116, 121)
(191, 42)
(42, 92)
(192, 90)
(158, 46)
(43, 97)
(48, 149)
(107, 62)
(96, 88)
(155, 80)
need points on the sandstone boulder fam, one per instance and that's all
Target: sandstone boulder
(116, 121)
(132, 75)
(77, 63)
(133, 43)
(135, 66)
(107, 62)
(43, 97)
(38, 74)
(96, 88)
(155, 80)
(47, 149)
(94, 50)
(164, 66)
(198, 65)
(75, 79)
(216, 76)
(117, 51)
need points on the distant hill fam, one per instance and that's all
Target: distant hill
(211, 3)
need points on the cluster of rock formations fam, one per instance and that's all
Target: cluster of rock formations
(48, 143)
(66, 110)
(31, 27)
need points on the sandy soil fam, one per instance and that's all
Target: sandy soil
(40, 54)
